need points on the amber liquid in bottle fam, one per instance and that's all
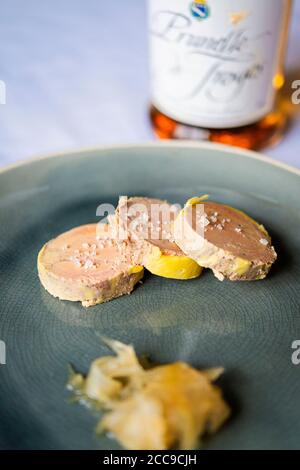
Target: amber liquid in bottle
(268, 131)
(265, 132)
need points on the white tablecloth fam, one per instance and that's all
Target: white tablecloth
(76, 75)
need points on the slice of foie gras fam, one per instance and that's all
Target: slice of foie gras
(84, 265)
(146, 227)
(225, 240)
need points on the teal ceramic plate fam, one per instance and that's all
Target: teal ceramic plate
(248, 328)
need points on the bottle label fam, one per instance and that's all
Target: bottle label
(215, 63)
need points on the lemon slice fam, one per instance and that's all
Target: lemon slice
(173, 267)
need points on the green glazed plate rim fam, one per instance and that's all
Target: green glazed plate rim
(164, 144)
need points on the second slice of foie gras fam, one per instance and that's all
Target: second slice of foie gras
(147, 225)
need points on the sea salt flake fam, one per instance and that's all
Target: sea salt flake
(88, 264)
(263, 241)
(203, 220)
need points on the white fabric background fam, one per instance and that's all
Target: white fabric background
(76, 74)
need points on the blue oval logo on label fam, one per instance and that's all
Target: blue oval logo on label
(200, 9)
